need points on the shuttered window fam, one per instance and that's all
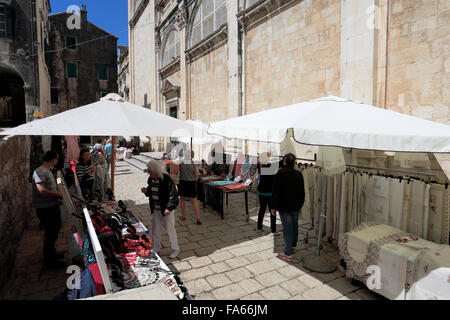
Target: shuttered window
(3, 20)
(102, 72)
(71, 69)
(71, 42)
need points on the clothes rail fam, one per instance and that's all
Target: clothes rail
(394, 170)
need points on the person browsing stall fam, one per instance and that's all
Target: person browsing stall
(45, 199)
(288, 197)
(266, 174)
(163, 199)
(187, 188)
(86, 174)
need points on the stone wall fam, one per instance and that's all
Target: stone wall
(15, 198)
(209, 86)
(294, 56)
(143, 60)
(419, 59)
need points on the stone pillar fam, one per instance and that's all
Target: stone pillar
(184, 109)
(234, 79)
(358, 50)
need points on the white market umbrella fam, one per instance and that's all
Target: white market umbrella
(334, 121)
(201, 135)
(337, 122)
(111, 116)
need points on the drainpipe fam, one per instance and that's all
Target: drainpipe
(33, 24)
(241, 52)
(387, 54)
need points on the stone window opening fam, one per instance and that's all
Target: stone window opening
(71, 42)
(102, 72)
(71, 70)
(171, 48)
(209, 17)
(249, 3)
(136, 4)
(12, 97)
(3, 20)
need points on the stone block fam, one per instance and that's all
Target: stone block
(270, 278)
(229, 292)
(323, 292)
(238, 275)
(220, 267)
(218, 280)
(260, 267)
(237, 262)
(295, 287)
(310, 281)
(200, 262)
(253, 296)
(275, 293)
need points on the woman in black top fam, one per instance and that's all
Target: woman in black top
(266, 174)
(85, 174)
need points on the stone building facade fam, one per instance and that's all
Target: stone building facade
(24, 76)
(210, 60)
(82, 70)
(24, 96)
(123, 75)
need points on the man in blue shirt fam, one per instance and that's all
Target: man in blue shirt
(108, 149)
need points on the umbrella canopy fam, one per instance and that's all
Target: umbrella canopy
(333, 121)
(201, 135)
(111, 116)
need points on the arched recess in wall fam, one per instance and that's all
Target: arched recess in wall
(136, 4)
(208, 16)
(12, 97)
(171, 47)
(249, 3)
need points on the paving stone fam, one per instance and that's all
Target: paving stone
(291, 271)
(205, 251)
(196, 273)
(323, 292)
(270, 278)
(297, 297)
(238, 275)
(205, 296)
(186, 255)
(260, 267)
(200, 262)
(295, 287)
(221, 256)
(343, 285)
(237, 262)
(218, 280)
(251, 285)
(190, 246)
(275, 293)
(328, 277)
(242, 251)
(181, 265)
(229, 292)
(366, 294)
(197, 286)
(310, 281)
(220, 267)
(254, 296)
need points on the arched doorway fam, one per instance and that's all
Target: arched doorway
(12, 97)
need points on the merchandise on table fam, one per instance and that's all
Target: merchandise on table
(220, 183)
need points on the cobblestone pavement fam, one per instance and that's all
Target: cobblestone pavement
(220, 259)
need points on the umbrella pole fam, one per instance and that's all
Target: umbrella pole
(113, 158)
